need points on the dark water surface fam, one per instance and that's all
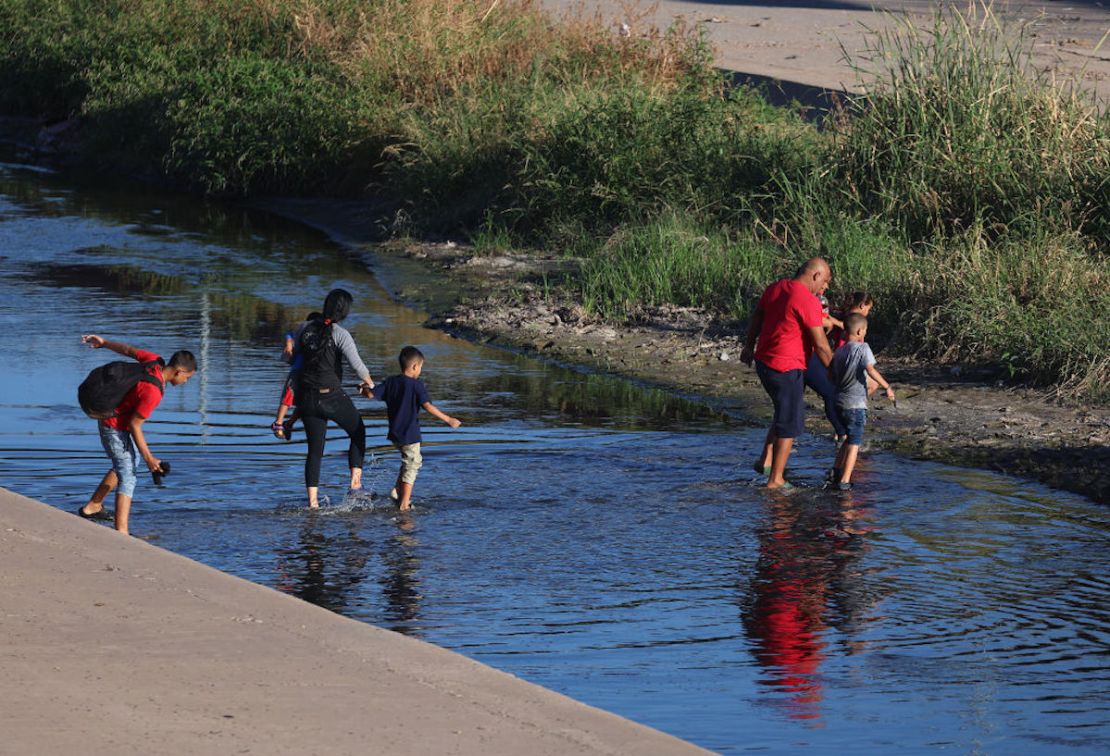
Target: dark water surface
(586, 534)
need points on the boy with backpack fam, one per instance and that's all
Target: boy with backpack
(121, 396)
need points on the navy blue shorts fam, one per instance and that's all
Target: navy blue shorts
(787, 392)
(854, 420)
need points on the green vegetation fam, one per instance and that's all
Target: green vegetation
(969, 193)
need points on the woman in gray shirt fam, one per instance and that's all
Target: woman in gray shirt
(324, 346)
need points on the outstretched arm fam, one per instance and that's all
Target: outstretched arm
(98, 342)
(878, 378)
(346, 346)
(432, 410)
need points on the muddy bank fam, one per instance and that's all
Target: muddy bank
(955, 414)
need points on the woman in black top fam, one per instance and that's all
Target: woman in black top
(320, 397)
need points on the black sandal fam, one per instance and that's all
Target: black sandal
(100, 514)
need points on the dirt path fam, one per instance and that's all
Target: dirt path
(799, 41)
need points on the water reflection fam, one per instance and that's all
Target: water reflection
(809, 577)
(401, 578)
(323, 569)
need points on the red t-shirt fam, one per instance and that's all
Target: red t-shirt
(789, 309)
(141, 400)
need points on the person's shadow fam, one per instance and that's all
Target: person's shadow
(808, 579)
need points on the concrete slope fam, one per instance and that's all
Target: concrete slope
(113, 646)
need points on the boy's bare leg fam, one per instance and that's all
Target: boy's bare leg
(313, 497)
(405, 492)
(780, 452)
(96, 502)
(123, 509)
(356, 478)
(872, 386)
(851, 452)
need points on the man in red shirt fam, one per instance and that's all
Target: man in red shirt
(122, 434)
(787, 325)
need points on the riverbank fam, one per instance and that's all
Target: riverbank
(114, 646)
(963, 415)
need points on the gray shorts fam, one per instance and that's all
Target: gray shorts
(411, 462)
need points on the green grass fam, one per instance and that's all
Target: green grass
(969, 193)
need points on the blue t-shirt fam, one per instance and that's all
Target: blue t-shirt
(403, 397)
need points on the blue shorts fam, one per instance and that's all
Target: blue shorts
(854, 420)
(787, 392)
(125, 457)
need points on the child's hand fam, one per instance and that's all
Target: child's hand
(890, 393)
(94, 341)
(454, 422)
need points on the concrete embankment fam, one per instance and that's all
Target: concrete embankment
(114, 646)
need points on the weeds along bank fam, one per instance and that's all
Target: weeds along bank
(966, 191)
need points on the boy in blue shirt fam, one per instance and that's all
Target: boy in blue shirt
(404, 396)
(852, 364)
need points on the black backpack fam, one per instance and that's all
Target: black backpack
(103, 390)
(316, 346)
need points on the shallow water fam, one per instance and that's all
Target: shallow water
(599, 538)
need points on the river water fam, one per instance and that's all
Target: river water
(602, 539)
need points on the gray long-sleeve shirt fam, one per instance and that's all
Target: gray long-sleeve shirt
(345, 343)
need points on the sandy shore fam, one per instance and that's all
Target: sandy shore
(114, 646)
(802, 42)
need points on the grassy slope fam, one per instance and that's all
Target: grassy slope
(967, 193)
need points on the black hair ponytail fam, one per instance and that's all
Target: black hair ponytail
(337, 305)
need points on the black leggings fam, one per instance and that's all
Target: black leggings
(316, 409)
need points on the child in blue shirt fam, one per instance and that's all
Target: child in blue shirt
(281, 427)
(404, 396)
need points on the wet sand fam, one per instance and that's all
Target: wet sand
(114, 646)
(801, 43)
